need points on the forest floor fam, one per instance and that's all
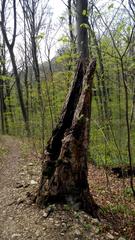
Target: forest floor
(20, 219)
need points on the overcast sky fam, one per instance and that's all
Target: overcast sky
(58, 7)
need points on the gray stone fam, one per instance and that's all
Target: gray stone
(94, 221)
(110, 236)
(37, 233)
(14, 235)
(77, 232)
(33, 182)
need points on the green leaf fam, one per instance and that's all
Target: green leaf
(62, 18)
(129, 29)
(121, 26)
(64, 39)
(6, 78)
(85, 13)
(40, 36)
(84, 25)
(110, 6)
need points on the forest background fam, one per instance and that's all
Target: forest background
(38, 58)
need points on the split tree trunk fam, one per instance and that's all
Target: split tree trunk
(64, 170)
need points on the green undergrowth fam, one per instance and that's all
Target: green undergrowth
(118, 209)
(3, 148)
(3, 151)
(108, 138)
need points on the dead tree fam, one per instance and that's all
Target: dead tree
(64, 169)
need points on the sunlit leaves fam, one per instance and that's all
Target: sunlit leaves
(6, 78)
(40, 36)
(84, 25)
(85, 13)
(64, 39)
(110, 6)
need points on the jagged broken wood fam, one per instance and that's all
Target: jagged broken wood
(64, 169)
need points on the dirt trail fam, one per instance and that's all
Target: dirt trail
(15, 182)
(22, 220)
(10, 165)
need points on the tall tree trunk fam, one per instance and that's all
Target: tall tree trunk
(82, 24)
(8, 96)
(2, 105)
(26, 67)
(10, 47)
(70, 22)
(64, 170)
(3, 108)
(102, 89)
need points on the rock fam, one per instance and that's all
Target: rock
(33, 182)
(94, 221)
(20, 201)
(22, 173)
(37, 233)
(30, 164)
(110, 236)
(77, 232)
(51, 220)
(86, 216)
(57, 222)
(48, 210)
(64, 225)
(57, 225)
(96, 230)
(45, 214)
(14, 235)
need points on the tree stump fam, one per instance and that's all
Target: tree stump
(64, 169)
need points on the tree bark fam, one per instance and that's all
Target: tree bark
(64, 170)
(10, 47)
(82, 25)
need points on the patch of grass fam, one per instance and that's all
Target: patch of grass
(25, 149)
(67, 207)
(87, 226)
(121, 208)
(77, 215)
(3, 151)
(128, 192)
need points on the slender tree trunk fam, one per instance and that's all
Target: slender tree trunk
(26, 68)
(82, 25)
(128, 126)
(8, 96)
(2, 106)
(70, 22)
(1, 94)
(10, 47)
(18, 84)
(102, 90)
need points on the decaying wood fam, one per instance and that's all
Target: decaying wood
(64, 170)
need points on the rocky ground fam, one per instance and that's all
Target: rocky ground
(20, 219)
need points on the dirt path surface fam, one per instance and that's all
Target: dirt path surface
(22, 220)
